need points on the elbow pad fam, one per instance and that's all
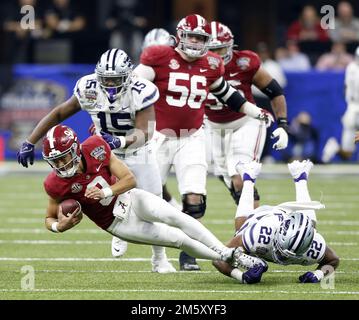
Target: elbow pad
(273, 89)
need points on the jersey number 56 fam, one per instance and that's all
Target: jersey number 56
(187, 87)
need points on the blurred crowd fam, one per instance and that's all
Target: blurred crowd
(66, 29)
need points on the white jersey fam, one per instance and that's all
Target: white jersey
(352, 84)
(258, 235)
(115, 117)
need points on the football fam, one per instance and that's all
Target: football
(68, 206)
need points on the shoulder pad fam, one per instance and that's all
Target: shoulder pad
(144, 93)
(86, 90)
(155, 55)
(247, 60)
(96, 150)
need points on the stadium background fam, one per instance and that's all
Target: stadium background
(37, 74)
(41, 69)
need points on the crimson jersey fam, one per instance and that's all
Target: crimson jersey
(96, 157)
(239, 73)
(183, 86)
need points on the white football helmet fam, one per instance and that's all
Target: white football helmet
(113, 72)
(293, 238)
(157, 36)
(193, 26)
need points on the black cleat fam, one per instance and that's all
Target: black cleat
(188, 263)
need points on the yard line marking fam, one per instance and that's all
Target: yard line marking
(108, 259)
(44, 230)
(178, 272)
(99, 231)
(85, 242)
(52, 242)
(185, 291)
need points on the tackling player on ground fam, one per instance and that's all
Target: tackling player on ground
(242, 137)
(284, 234)
(104, 186)
(185, 74)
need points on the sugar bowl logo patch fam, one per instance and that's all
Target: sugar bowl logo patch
(76, 187)
(99, 153)
(213, 62)
(174, 65)
(243, 63)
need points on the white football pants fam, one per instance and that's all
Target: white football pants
(151, 220)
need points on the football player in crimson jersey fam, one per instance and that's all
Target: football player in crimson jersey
(185, 74)
(121, 107)
(242, 136)
(284, 234)
(104, 186)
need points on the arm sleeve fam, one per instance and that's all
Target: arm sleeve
(227, 94)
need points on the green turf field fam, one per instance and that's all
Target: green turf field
(78, 264)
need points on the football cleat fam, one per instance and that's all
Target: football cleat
(249, 170)
(162, 265)
(118, 247)
(300, 169)
(188, 263)
(241, 259)
(330, 149)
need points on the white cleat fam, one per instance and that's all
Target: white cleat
(241, 259)
(251, 169)
(300, 169)
(118, 247)
(330, 149)
(162, 265)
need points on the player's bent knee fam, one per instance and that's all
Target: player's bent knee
(194, 210)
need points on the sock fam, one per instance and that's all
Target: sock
(302, 195)
(246, 201)
(159, 253)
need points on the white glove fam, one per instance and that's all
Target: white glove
(282, 136)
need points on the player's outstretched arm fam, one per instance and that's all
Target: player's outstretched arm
(271, 88)
(143, 132)
(326, 266)
(58, 114)
(55, 221)
(126, 181)
(229, 96)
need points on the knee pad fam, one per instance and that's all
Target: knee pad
(194, 210)
(236, 195)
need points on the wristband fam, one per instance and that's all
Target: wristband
(237, 274)
(319, 274)
(54, 227)
(122, 141)
(283, 123)
(107, 192)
